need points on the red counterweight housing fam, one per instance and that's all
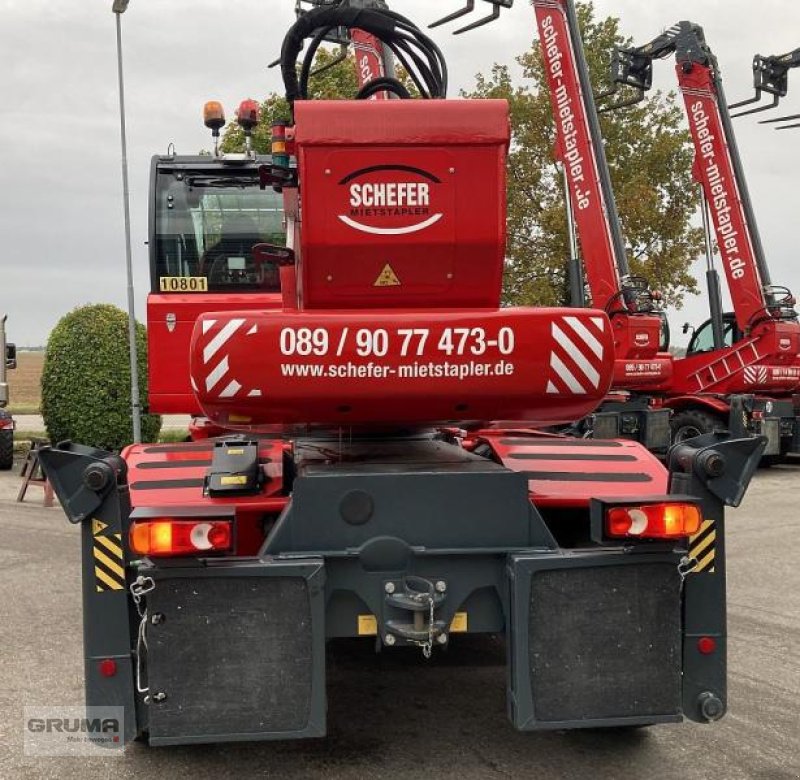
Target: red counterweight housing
(392, 313)
(403, 203)
(546, 366)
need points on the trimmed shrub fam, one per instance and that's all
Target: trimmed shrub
(86, 380)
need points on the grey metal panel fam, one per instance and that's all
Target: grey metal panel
(595, 640)
(433, 496)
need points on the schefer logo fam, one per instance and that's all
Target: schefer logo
(390, 200)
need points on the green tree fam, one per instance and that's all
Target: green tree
(650, 157)
(86, 379)
(335, 81)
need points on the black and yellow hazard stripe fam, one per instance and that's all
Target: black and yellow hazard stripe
(109, 562)
(702, 546)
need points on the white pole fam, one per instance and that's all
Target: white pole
(136, 408)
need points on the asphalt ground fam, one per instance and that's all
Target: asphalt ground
(395, 715)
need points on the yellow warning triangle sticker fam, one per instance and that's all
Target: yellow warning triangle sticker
(98, 527)
(387, 278)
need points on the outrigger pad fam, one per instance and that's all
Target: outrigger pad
(596, 641)
(236, 652)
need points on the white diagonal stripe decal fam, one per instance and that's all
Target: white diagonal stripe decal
(231, 390)
(551, 388)
(585, 335)
(213, 378)
(566, 375)
(580, 359)
(600, 322)
(219, 340)
(207, 325)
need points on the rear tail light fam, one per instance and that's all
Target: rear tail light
(169, 537)
(653, 521)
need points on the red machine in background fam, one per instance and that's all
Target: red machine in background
(643, 366)
(753, 351)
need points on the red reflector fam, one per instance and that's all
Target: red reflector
(108, 667)
(168, 537)
(653, 521)
(706, 645)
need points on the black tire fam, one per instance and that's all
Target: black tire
(6, 450)
(693, 422)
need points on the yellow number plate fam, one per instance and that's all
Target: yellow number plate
(235, 480)
(184, 284)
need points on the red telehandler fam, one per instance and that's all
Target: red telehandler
(752, 352)
(366, 493)
(643, 366)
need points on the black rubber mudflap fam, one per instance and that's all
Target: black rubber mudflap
(236, 657)
(597, 641)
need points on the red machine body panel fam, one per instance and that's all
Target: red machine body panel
(570, 472)
(764, 364)
(639, 364)
(166, 477)
(402, 206)
(170, 323)
(401, 367)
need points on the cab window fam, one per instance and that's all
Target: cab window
(703, 338)
(206, 225)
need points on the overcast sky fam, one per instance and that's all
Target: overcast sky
(61, 230)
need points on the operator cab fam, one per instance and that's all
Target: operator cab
(206, 216)
(703, 338)
(206, 219)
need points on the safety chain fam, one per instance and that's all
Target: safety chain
(685, 567)
(427, 644)
(139, 588)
